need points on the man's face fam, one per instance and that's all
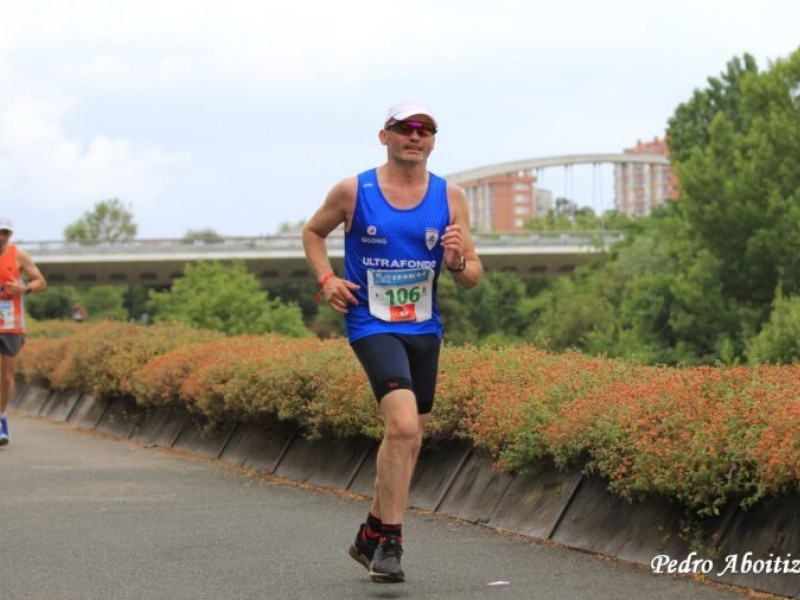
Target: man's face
(410, 140)
(5, 235)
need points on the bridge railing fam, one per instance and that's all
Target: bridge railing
(600, 239)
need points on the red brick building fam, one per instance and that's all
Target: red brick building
(502, 202)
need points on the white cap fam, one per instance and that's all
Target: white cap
(408, 109)
(5, 223)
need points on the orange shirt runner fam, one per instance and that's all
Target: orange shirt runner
(12, 314)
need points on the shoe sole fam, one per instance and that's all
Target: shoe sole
(387, 577)
(3, 441)
(359, 557)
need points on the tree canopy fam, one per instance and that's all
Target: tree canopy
(225, 298)
(109, 221)
(697, 280)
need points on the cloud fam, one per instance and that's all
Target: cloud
(45, 166)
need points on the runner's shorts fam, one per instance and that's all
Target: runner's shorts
(396, 361)
(11, 343)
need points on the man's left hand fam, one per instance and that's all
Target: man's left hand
(453, 242)
(15, 286)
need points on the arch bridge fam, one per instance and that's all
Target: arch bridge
(533, 164)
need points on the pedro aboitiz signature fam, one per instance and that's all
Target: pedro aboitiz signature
(746, 563)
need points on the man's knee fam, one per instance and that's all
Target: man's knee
(403, 429)
(401, 421)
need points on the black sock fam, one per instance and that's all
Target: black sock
(374, 526)
(396, 530)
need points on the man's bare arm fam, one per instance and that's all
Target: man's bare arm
(35, 279)
(337, 209)
(458, 241)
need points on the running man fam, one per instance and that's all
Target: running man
(13, 263)
(402, 224)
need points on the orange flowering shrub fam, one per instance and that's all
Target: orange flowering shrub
(703, 436)
(40, 359)
(53, 329)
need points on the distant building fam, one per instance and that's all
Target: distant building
(505, 202)
(542, 202)
(640, 187)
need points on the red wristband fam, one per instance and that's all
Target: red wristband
(323, 280)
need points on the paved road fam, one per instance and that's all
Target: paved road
(87, 517)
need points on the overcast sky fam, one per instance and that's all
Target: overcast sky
(240, 115)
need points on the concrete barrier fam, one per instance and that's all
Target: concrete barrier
(772, 530)
(161, 426)
(438, 465)
(329, 462)
(259, 446)
(198, 436)
(476, 491)
(453, 478)
(534, 504)
(20, 390)
(89, 411)
(32, 399)
(120, 418)
(59, 405)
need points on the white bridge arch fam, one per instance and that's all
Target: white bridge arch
(533, 164)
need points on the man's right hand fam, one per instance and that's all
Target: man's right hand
(337, 293)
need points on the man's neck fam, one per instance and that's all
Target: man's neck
(405, 173)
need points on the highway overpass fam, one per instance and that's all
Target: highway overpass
(278, 259)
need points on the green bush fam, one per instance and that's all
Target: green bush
(778, 341)
(225, 298)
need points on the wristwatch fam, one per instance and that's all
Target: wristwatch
(28, 289)
(461, 266)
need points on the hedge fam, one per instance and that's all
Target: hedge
(702, 436)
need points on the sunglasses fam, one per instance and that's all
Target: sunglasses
(409, 127)
(5, 231)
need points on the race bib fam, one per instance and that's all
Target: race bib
(7, 319)
(401, 294)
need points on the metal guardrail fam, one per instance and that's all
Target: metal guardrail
(601, 239)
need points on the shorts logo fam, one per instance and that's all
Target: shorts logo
(431, 237)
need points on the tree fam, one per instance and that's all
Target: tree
(225, 298)
(56, 302)
(737, 157)
(689, 126)
(104, 302)
(208, 236)
(110, 221)
(779, 340)
(287, 227)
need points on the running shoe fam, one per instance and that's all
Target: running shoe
(363, 549)
(4, 438)
(385, 566)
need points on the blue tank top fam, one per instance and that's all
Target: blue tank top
(395, 256)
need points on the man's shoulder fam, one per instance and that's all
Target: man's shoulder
(345, 189)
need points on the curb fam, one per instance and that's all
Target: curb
(454, 479)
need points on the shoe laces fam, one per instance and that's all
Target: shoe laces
(392, 545)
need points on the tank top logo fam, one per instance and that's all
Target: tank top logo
(372, 231)
(431, 237)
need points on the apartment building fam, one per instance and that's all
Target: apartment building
(505, 202)
(638, 187)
